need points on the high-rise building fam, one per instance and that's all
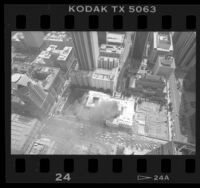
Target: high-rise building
(160, 45)
(139, 40)
(184, 49)
(87, 49)
(33, 39)
(164, 66)
(28, 98)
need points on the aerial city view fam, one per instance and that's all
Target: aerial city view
(103, 93)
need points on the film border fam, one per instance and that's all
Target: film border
(122, 173)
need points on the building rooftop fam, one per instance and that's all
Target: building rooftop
(56, 36)
(155, 120)
(163, 41)
(43, 76)
(166, 61)
(104, 74)
(125, 107)
(61, 55)
(111, 48)
(114, 37)
(105, 58)
(20, 79)
(48, 73)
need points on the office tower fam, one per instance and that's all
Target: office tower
(164, 66)
(87, 49)
(33, 39)
(28, 98)
(185, 49)
(160, 45)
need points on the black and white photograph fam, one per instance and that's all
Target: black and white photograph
(103, 93)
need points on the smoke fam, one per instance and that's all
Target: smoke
(98, 114)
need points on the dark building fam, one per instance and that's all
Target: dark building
(149, 86)
(190, 80)
(139, 43)
(184, 49)
(28, 98)
(102, 37)
(164, 66)
(87, 49)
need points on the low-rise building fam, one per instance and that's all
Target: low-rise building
(151, 121)
(148, 86)
(111, 51)
(164, 66)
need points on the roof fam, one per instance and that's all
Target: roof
(115, 37)
(52, 74)
(111, 48)
(20, 79)
(55, 36)
(163, 41)
(62, 54)
(104, 74)
(166, 62)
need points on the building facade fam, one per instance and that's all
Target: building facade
(87, 49)
(185, 49)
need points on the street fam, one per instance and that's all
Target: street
(176, 101)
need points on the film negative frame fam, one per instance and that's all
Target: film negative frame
(93, 168)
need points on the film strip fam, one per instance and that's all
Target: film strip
(98, 168)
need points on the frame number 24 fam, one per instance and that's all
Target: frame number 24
(63, 177)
